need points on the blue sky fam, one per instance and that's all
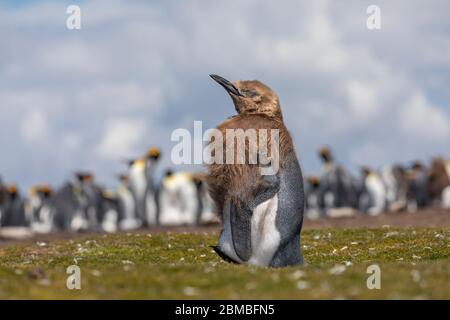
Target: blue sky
(138, 70)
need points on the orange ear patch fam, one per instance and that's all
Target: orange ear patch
(11, 188)
(154, 153)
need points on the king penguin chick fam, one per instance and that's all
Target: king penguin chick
(262, 214)
(438, 181)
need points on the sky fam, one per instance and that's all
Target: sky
(89, 99)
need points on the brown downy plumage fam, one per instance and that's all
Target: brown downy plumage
(258, 107)
(438, 180)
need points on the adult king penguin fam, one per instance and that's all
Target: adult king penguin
(127, 205)
(39, 208)
(337, 184)
(314, 198)
(261, 215)
(14, 209)
(446, 191)
(3, 195)
(178, 201)
(141, 174)
(376, 192)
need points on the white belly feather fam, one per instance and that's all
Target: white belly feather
(265, 237)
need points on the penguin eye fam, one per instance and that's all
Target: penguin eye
(248, 93)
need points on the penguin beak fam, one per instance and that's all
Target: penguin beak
(227, 85)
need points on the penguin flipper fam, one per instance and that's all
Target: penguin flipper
(241, 214)
(241, 230)
(267, 187)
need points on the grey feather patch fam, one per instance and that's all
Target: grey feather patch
(241, 231)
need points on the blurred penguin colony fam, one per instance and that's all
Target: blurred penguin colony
(83, 205)
(181, 198)
(392, 188)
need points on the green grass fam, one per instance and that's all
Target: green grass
(415, 264)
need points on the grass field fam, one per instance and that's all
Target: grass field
(414, 263)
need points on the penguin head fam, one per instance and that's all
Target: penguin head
(417, 166)
(11, 189)
(198, 179)
(153, 153)
(410, 174)
(44, 190)
(325, 154)
(314, 181)
(251, 96)
(366, 171)
(123, 178)
(131, 162)
(84, 177)
(137, 164)
(168, 173)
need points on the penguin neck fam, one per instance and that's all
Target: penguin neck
(328, 165)
(150, 168)
(276, 115)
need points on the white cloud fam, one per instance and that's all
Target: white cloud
(120, 138)
(73, 58)
(362, 100)
(370, 152)
(16, 103)
(423, 121)
(122, 97)
(71, 141)
(33, 127)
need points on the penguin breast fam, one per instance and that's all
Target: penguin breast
(265, 237)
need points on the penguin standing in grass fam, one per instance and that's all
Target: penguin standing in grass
(141, 172)
(127, 205)
(151, 193)
(39, 208)
(337, 184)
(314, 198)
(262, 214)
(2, 198)
(138, 186)
(395, 180)
(206, 212)
(109, 212)
(178, 199)
(91, 199)
(13, 214)
(446, 191)
(438, 182)
(417, 178)
(375, 190)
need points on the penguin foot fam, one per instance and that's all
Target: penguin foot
(223, 255)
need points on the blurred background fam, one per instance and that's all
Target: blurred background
(87, 99)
